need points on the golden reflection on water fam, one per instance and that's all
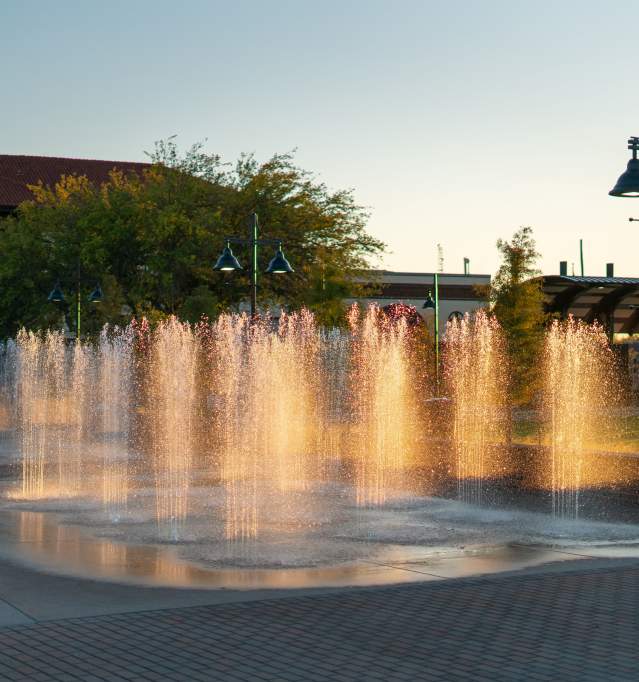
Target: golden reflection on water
(38, 540)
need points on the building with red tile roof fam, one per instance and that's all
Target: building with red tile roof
(18, 171)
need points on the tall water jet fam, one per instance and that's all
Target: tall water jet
(288, 389)
(8, 358)
(172, 404)
(476, 378)
(114, 391)
(80, 358)
(238, 462)
(578, 387)
(384, 439)
(265, 384)
(41, 413)
(333, 396)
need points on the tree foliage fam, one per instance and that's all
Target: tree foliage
(518, 304)
(151, 241)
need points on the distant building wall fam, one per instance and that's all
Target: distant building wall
(457, 293)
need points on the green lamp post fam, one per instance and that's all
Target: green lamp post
(227, 262)
(56, 295)
(433, 304)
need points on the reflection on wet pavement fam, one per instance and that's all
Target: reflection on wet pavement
(38, 539)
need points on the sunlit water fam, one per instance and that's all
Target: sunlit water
(579, 389)
(332, 532)
(477, 382)
(237, 443)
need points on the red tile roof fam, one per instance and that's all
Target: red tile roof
(16, 172)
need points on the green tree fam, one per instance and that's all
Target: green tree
(518, 304)
(151, 241)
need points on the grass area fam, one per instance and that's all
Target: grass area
(621, 434)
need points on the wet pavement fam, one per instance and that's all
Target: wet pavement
(78, 606)
(574, 620)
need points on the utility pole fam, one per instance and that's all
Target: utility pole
(440, 258)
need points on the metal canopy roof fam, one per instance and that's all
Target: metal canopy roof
(610, 281)
(613, 301)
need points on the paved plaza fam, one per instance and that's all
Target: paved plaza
(570, 621)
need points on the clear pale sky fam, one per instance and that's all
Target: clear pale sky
(454, 122)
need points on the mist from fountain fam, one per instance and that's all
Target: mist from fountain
(79, 394)
(44, 415)
(387, 427)
(268, 415)
(172, 404)
(260, 428)
(114, 390)
(578, 391)
(476, 377)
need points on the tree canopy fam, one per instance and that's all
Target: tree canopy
(517, 300)
(151, 241)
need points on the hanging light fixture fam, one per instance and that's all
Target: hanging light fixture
(96, 295)
(628, 182)
(56, 295)
(279, 264)
(227, 261)
(429, 304)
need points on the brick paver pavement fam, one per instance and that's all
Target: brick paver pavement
(576, 625)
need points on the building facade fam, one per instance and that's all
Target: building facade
(458, 294)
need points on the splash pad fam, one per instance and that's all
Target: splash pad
(237, 445)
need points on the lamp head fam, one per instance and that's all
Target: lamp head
(279, 264)
(628, 182)
(227, 262)
(429, 304)
(56, 295)
(96, 295)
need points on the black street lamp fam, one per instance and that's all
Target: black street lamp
(227, 262)
(96, 295)
(628, 182)
(57, 296)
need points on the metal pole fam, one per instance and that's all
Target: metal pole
(436, 287)
(581, 255)
(253, 243)
(78, 305)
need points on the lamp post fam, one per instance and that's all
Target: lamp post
(227, 262)
(57, 296)
(628, 182)
(433, 304)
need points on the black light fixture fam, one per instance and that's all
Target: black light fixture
(96, 295)
(279, 264)
(227, 262)
(56, 295)
(628, 182)
(429, 304)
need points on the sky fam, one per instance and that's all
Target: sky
(453, 122)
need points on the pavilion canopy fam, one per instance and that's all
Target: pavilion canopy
(613, 301)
